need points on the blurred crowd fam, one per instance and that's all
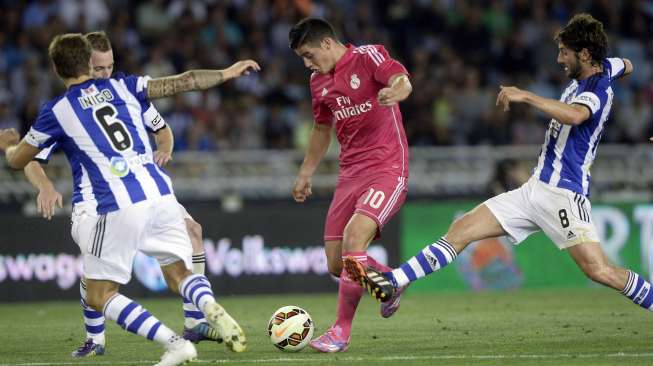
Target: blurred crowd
(458, 53)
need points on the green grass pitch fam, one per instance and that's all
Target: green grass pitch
(526, 327)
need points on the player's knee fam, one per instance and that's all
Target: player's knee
(354, 240)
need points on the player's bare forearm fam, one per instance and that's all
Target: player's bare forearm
(628, 67)
(36, 176)
(197, 79)
(18, 156)
(318, 146)
(401, 85)
(164, 140)
(568, 114)
(188, 81)
(399, 88)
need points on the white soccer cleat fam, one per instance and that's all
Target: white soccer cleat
(178, 354)
(229, 330)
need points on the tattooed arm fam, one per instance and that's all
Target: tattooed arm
(197, 79)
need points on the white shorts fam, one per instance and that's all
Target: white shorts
(563, 215)
(184, 213)
(109, 242)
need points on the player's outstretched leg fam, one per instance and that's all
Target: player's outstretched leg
(197, 289)
(196, 328)
(390, 307)
(134, 318)
(94, 324)
(383, 285)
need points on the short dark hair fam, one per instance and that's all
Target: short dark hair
(71, 55)
(583, 31)
(99, 41)
(310, 31)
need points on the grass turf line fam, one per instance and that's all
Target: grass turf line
(526, 327)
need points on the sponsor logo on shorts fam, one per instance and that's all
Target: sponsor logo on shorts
(571, 235)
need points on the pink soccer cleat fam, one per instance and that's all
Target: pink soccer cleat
(391, 306)
(333, 340)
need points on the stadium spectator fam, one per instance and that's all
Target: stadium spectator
(440, 41)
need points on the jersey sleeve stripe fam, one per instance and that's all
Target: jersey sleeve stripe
(142, 83)
(374, 54)
(36, 138)
(374, 57)
(378, 54)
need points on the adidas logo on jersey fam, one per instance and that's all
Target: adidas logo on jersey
(570, 235)
(324, 91)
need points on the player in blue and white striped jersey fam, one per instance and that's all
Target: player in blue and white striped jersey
(101, 125)
(195, 327)
(555, 199)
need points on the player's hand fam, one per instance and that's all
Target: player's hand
(8, 137)
(46, 201)
(302, 189)
(389, 96)
(162, 158)
(509, 94)
(241, 68)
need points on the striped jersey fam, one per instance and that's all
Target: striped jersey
(569, 151)
(102, 127)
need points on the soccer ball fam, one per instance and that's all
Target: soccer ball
(290, 328)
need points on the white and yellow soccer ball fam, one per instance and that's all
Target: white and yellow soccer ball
(290, 328)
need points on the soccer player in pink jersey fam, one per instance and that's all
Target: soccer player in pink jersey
(355, 90)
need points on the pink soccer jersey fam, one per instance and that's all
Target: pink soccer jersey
(371, 136)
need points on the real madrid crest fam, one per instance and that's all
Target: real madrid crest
(355, 82)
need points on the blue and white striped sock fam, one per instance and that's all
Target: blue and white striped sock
(197, 289)
(192, 315)
(93, 320)
(432, 258)
(136, 319)
(639, 291)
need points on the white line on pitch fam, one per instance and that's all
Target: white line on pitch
(383, 358)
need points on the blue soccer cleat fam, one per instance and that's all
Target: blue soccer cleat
(201, 332)
(89, 349)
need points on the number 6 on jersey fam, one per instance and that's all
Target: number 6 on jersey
(113, 127)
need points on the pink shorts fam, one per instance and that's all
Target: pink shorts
(378, 197)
